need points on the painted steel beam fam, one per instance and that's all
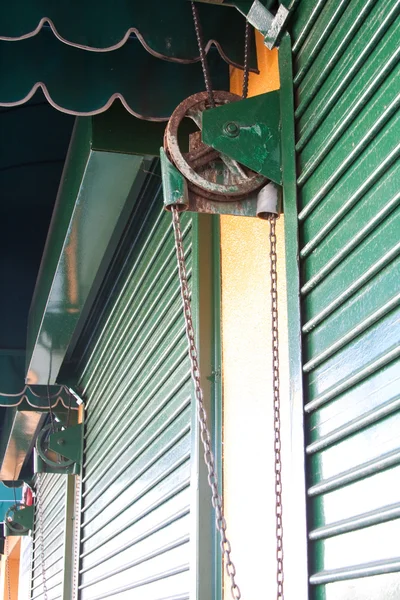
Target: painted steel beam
(19, 432)
(106, 165)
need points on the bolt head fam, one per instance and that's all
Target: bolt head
(61, 442)
(232, 129)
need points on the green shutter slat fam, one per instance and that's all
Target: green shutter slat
(320, 34)
(329, 124)
(135, 528)
(358, 32)
(53, 492)
(347, 121)
(304, 19)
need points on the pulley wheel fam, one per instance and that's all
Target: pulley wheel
(51, 458)
(14, 527)
(208, 172)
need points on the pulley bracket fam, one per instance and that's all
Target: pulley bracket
(239, 136)
(248, 131)
(59, 451)
(68, 443)
(19, 520)
(234, 161)
(176, 193)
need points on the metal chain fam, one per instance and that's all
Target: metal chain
(52, 420)
(203, 57)
(277, 406)
(204, 62)
(205, 434)
(216, 498)
(246, 65)
(77, 510)
(8, 569)
(39, 508)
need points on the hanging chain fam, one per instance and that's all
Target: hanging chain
(8, 569)
(205, 434)
(76, 547)
(216, 498)
(277, 406)
(203, 58)
(52, 420)
(246, 65)
(39, 508)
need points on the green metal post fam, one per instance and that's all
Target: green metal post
(295, 526)
(205, 293)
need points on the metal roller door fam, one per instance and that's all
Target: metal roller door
(135, 530)
(346, 75)
(49, 538)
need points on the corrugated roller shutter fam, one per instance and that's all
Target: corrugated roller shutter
(135, 530)
(53, 503)
(346, 78)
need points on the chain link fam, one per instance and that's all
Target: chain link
(204, 431)
(39, 508)
(203, 57)
(246, 65)
(77, 509)
(205, 436)
(277, 406)
(8, 569)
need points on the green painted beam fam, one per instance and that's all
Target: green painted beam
(18, 434)
(102, 177)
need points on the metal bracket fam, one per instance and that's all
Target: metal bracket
(269, 25)
(248, 131)
(68, 443)
(267, 200)
(21, 522)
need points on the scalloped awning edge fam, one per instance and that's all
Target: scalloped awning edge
(23, 395)
(106, 106)
(132, 30)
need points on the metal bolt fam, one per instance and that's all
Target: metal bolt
(232, 129)
(61, 442)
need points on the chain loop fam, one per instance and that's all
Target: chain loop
(205, 436)
(39, 508)
(277, 406)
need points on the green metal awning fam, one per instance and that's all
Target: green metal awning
(86, 83)
(165, 29)
(83, 56)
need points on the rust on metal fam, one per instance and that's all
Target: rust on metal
(210, 174)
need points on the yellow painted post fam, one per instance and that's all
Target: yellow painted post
(13, 552)
(248, 468)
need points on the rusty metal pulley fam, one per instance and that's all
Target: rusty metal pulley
(209, 173)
